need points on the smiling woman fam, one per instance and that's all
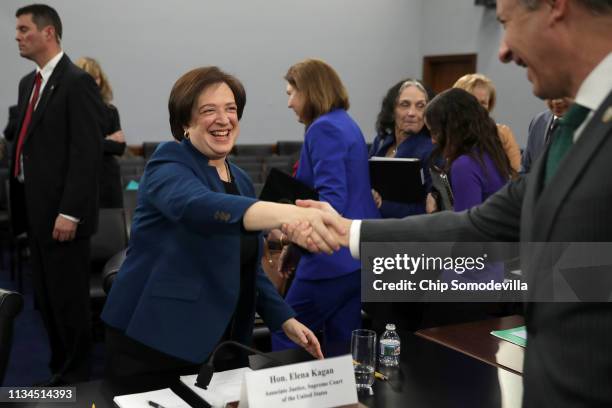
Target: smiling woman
(192, 276)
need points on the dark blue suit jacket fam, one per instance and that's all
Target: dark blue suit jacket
(536, 139)
(178, 287)
(334, 161)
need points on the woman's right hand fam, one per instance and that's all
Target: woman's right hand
(377, 198)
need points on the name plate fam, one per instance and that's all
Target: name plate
(320, 383)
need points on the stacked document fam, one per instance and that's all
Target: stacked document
(164, 398)
(516, 335)
(224, 386)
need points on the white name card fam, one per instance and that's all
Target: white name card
(320, 383)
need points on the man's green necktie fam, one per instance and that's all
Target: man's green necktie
(563, 138)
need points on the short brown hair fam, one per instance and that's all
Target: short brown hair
(43, 16)
(187, 89)
(470, 81)
(321, 87)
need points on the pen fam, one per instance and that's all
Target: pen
(155, 404)
(380, 376)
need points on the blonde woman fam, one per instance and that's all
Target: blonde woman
(111, 194)
(483, 89)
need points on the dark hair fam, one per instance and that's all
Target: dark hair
(460, 125)
(43, 16)
(385, 122)
(187, 89)
(321, 87)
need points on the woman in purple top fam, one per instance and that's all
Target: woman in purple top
(466, 138)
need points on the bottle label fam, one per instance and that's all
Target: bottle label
(389, 350)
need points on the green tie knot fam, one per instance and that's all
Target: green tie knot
(563, 138)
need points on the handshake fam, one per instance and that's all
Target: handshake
(317, 227)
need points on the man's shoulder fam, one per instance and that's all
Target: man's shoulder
(26, 79)
(543, 116)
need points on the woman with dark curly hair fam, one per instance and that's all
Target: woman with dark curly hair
(401, 132)
(466, 138)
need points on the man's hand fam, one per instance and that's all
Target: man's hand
(64, 229)
(303, 336)
(305, 235)
(320, 227)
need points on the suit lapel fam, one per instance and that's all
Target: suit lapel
(207, 172)
(570, 169)
(48, 93)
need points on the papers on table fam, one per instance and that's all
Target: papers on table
(517, 335)
(165, 398)
(224, 386)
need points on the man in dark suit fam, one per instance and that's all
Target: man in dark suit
(541, 128)
(565, 46)
(54, 179)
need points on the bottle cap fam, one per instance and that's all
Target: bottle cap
(390, 326)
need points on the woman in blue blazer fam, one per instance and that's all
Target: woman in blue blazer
(192, 276)
(334, 161)
(401, 132)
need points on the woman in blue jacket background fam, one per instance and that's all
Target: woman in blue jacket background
(326, 291)
(192, 276)
(401, 132)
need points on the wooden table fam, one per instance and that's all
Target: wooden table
(475, 340)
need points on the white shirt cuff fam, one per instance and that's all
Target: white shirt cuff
(68, 217)
(354, 235)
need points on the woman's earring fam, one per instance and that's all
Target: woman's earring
(186, 134)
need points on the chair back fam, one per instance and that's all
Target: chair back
(11, 304)
(111, 236)
(110, 270)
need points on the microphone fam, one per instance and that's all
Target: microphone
(207, 370)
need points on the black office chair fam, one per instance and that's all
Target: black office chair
(289, 147)
(110, 238)
(259, 150)
(110, 270)
(148, 148)
(11, 304)
(18, 243)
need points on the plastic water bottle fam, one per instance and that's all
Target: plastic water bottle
(389, 352)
